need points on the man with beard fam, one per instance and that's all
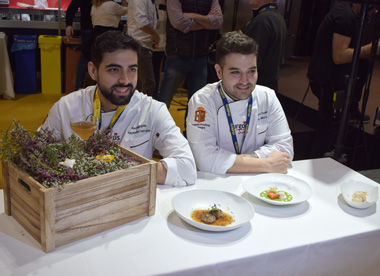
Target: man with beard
(234, 125)
(134, 120)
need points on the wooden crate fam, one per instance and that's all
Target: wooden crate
(57, 217)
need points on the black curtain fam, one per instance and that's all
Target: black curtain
(311, 15)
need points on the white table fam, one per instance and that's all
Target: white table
(6, 76)
(323, 236)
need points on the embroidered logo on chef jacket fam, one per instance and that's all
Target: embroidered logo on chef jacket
(116, 137)
(200, 115)
(240, 128)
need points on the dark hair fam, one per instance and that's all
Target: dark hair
(112, 41)
(235, 42)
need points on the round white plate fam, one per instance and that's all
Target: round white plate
(299, 189)
(351, 186)
(239, 208)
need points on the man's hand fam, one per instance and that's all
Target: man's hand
(161, 173)
(69, 31)
(149, 29)
(278, 162)
(156, 40)
(213, 11)
(203, 22)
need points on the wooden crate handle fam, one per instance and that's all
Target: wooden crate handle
(25, 185)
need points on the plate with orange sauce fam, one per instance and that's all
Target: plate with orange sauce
(191, 205)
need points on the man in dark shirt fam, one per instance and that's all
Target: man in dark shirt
(268, 28)
(330, 68)
(86, 29)
(331, 61)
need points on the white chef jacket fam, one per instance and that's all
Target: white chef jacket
(107, 14)
(144, 125)
(208, 130)
(140, 14)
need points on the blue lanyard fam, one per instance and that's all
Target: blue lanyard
(272, 6)
(231, 123)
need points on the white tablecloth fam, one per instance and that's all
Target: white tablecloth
(6, 77)
(323, 236)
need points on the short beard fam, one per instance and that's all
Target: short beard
(115, 99)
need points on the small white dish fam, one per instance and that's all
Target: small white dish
(239, 208)
(348, 188)
(299, 189)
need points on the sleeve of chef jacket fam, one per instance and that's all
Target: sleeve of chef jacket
(175, 150)
(278, 136)
(203, 136)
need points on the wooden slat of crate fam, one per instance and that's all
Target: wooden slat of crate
(66, 214)
(24, 203)
(104, 217)
(26, 221)
(69, 204)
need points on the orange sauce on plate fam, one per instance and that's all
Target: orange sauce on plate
(225, 220)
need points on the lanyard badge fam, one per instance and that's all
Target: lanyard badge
(231, 123)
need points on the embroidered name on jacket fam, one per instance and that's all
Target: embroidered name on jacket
(262, 115)
(139, 129)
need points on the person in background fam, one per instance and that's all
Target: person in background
(235, 125)
(134, 119)
(187, 45)
(85, 33)
(142, 21)
(330, 68)
(330, 65)
(158, 58)
(105, 16)
(268, 28)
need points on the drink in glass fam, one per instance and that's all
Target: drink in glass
(84, 126)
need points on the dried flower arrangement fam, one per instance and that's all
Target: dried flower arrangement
(54, 162)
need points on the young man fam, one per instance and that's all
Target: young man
(137, 121)
(234, 125)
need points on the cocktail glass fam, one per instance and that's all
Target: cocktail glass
(84, 125)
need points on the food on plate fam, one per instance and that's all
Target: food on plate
(213, 216)
(274, 194)
(359, 196)
(216, 212)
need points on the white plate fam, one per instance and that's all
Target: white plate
(239, 208)
(351, 186)
(299, 189)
